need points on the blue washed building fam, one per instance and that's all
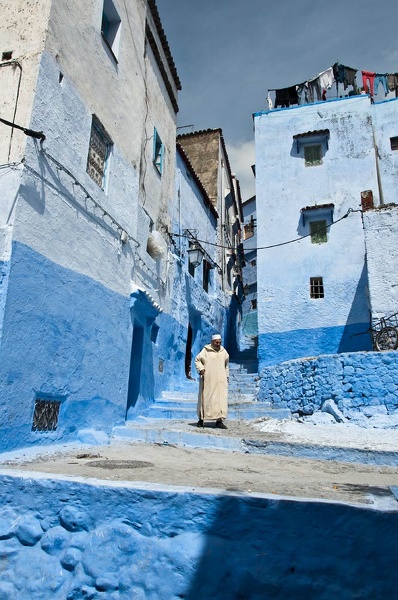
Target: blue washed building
(317, 166)
(98, 306)
(249, 326)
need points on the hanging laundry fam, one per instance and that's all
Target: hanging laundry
(286, 96)
(314, 89)
(338, 72)
(392, 79)
(269, 100)
(324, 94)
(383, 80)
(326, 78)
(302, 88)
(368, 77)
(350, 78)
(344, 75)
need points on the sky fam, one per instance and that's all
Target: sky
(228, 53)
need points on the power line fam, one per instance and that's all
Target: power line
(31, 132)
(350, 210)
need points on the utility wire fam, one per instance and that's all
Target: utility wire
(350, 210)
(39, 135)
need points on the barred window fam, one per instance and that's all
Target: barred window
(316, 287)
(318, 232)
(98, 153)
(45, 417)
(313, 155)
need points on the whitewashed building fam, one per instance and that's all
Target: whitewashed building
(317, 167)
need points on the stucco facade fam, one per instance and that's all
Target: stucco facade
(297, 318)
(95, 296)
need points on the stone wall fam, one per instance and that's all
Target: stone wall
(358, 382)
(63, 539)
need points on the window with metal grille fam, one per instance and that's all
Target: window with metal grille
(394, 143)
(318, 232)
(98, 153)
(45, 417)
(316, 287)
(313, 155)
(158, 150)
(110, 27)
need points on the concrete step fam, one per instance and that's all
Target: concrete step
(241, 437)
(242, 409)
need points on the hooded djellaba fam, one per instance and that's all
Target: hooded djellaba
(212, 364)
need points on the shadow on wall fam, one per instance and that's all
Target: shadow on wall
(231, 343)
(260, 549)
(141, 387)
(359, 314)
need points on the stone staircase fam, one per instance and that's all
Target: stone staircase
(170, 419)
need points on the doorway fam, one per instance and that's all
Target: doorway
(188, 354)
(137, 347)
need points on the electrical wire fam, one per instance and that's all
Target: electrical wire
(350, 210)
(89, 197)
(31, 132)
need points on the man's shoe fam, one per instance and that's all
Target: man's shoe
(221, 425)
(200, 423)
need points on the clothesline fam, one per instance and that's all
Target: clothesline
(316, 88)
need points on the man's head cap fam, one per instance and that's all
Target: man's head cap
(216, 336)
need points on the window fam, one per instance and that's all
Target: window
(394, 143)
(249, 230)
(154, 332)
(98, 154)
(46, 414)
(110, 27)
(316, 287)
(158, 150)
(318, 230)
(313, 155)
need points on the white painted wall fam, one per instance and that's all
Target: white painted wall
(386, 126)
(285, 186)
(381, 234)
(23, 32)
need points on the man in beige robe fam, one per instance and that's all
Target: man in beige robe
(212, 365)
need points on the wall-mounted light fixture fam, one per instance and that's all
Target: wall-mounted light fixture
(195, 254)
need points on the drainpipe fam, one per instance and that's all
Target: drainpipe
(377, 158)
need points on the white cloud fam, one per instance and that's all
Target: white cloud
(241, 159)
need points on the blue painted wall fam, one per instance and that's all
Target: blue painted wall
(66, 338)
(360, 383)
(62, 539)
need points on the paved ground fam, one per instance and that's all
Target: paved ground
(241, 472)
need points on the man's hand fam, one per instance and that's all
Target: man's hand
(202, 372)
